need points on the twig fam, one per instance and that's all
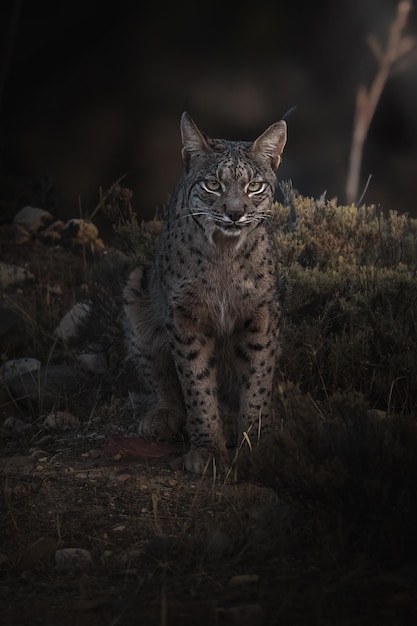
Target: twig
(365, 190)
(398, 46)
(103, 197)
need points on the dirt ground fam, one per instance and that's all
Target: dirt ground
(97, 528)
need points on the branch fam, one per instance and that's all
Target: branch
(398, 46)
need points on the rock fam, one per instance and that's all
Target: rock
(18, 367)
(13, 275)
(68, 559)
(71, 324)
(61, 420)
(81, 232)
(52, 234)
(55, 290)
(94, 359)
(377, 414)
(38, 446)
(56, 227)
(15, 425)
(32, 218)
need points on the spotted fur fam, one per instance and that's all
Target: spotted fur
(202, 322)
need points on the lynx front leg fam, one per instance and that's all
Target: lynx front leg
(255, 351)
(195, 362)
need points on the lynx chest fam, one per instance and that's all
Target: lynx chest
(221, 296)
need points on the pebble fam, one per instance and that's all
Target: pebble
(67, 559)
(61, 420)
(18, 367)
(16, 425)
(13, 275)
(70, 325)
(94, 359)
(32, 218)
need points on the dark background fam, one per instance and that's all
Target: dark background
(90, 91)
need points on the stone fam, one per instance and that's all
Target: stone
(32, 218)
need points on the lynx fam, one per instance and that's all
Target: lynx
(202, 321)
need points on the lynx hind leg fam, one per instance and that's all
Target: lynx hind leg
(161, 424)
(149, 350)
(136, 304)
(167, 419)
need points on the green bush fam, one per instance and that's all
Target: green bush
(349, 301)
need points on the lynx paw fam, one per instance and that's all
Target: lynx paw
(162, 424)
(200, 460)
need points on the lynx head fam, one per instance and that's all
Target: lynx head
(230, 185)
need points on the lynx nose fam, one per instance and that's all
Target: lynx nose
(234, 211)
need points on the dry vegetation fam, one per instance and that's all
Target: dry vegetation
(319, 527)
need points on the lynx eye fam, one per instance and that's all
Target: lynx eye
(255, 187)
(212, 185)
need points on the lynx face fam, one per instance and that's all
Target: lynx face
(229, 186)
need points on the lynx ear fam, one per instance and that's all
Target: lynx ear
(193, 141)
(272, 142)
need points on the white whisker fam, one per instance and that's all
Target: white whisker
(194, 213)
(223, 220)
